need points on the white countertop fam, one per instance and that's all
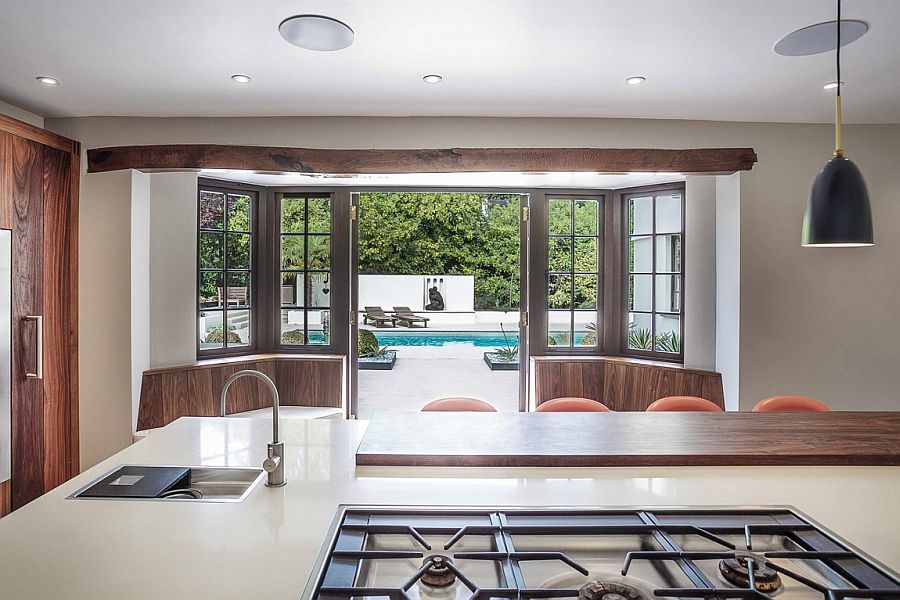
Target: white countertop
(266, 546)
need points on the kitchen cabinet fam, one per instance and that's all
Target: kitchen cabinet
(39, 206)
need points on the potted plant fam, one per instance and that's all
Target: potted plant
(504, 358)
(371, 356)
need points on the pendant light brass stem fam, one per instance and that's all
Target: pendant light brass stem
(838, 150)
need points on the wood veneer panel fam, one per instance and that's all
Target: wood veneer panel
(621, 384)
(25, 189)
(442, 160)
(29, 132)
(193, 390)
(630, 439)
(60, 327)
(5, 499)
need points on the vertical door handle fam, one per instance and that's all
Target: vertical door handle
(39, 371)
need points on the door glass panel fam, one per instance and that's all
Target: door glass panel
(640, 331)
(211, 289)
(668, 213)
(238, 251)
(293, 327)
(560, 254)
(640, 292)
(560, 217)
(238, 327)
(559, 328)
(292, 256)
(586, 221)
(292, 293)
(293, 215)
(586, 255)
(642, 254)
(318, 251)
(211, 210)
(668, 253)
(238, 288)
(640, 216)
(238, 212)
(586, 292)
(212, 254)
(668, 293)
(559, 291)
(668, 333)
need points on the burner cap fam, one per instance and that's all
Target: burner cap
(609, 590)
(438, 574)
(735, 571)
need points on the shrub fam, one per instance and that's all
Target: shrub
(216, 336)
(294, 336)
(367, 345)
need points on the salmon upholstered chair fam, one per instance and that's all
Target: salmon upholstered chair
(791, 404)
(571, 404)
(683, 404)
(458, 405)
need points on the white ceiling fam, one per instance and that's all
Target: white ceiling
(703, 59)
(563, 180)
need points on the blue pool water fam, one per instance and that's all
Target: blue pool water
(486, 339)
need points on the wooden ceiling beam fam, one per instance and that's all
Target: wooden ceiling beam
(447, 160)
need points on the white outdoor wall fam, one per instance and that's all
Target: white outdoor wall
(727, 242)
(173, 264)
(388, 291)
(700, 273)
(104, 315)
(813, 321)
(21, 114)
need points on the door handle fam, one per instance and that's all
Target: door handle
(39, 371)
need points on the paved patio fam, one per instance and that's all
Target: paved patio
(425, 374)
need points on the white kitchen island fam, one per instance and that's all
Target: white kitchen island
(267, 546)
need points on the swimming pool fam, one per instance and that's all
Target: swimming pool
(480, 339)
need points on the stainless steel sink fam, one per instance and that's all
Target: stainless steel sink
(207, 484)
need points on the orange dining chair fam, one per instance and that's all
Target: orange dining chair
(571, 404)
(458, 405)
(683, 404)
(791, 404)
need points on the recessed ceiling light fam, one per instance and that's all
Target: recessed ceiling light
(819, 38)
(48, 80)
(241, 78)
(832, 84)
(316, 32)
(635, 80)
(432, 79)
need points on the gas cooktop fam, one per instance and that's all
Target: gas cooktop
(447, 553)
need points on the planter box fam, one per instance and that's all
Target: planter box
(496, 364)
(384, 362)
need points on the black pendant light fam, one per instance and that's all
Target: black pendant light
(838, 213)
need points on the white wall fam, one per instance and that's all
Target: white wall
(21, 114)
(728, 285)
(700, 272)
(173, 264)
(104, 315)
(140, 286)
(388, 291)
(813, 321)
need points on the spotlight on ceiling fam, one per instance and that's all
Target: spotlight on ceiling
(238, 78)
(316, 32)
(48, 80)
(432, 79)
(635, 80)
(832, 85)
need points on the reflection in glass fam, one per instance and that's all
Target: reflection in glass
(668, 213)
(640, 216)
(641, 254)
(668, 254)
(668, 293)
(640, 292)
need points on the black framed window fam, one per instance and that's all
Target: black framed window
(305, 264)
(225, 273)
(654, 267)
(574, 273)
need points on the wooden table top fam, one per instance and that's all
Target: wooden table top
(630, 439)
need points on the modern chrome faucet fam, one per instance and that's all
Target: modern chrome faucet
(274, 463)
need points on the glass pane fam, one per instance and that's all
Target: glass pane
(559, 325)
(238, 289)
(212, 251)
(318, 251)
(238, 212)
(560, 220)
(238, 250)
(668, 254)
(319, 215)
(585, 328)
(211, 329)
(292, 215)
(560, 254)
(211, 207)
(640, 292)
(319, 289)
(238, 327)
(640, 331)
(586, 221)
(559, 291)
(668, 213)
(641, 254)
(640, 215)
(586, 255)
(668, 293)
(668, 333)
(292, 322)
(319, 326)
(292, 252)
(585, 291)
(210, 290)
(292, 289)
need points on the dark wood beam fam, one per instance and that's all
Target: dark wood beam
(447, 160)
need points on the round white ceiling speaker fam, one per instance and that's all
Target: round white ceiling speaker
(316, 32)
(819, 38)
